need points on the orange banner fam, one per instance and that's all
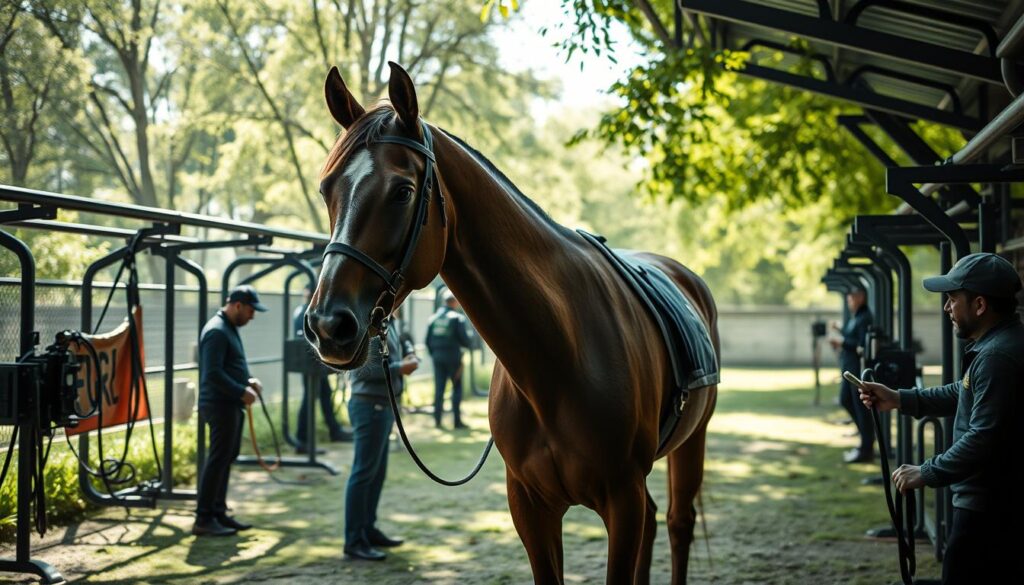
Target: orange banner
(114, 350)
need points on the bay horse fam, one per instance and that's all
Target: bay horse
(581, 369)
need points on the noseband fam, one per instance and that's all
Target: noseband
(394, 280)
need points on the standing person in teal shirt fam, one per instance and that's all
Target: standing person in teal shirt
(982, 466)
(446, 336)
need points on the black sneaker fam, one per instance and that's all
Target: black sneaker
(341, 437)
(364, 552)
(230, 522)
(856, 455)
(378, 538)
(211, 527)
(303, 450)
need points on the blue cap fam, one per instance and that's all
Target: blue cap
(982, 273)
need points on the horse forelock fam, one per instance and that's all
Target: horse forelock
(367, 128)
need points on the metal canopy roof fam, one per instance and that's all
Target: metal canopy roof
(919, 59)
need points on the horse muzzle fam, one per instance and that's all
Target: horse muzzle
(337, 335)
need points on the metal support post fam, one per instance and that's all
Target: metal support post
(28, 427)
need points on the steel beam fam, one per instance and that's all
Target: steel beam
(864, 98)
(852, 37)
(152, 214)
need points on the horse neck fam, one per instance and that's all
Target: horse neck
(509, 266)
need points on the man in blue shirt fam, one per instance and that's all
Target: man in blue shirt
(446, 336)
(982, 466)
(225, 388)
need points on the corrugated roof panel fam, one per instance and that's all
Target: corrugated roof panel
(921, 28)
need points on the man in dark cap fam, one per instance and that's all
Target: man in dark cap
(854, 332)
(225, 388)
(982, 466)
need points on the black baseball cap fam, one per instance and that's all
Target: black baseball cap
(248, 295)
(982, 273)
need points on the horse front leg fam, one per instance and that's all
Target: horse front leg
(625, 516)
(685, 474)
(539, 525)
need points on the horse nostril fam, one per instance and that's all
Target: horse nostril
(340, 326)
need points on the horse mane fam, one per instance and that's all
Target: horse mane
(500, 176)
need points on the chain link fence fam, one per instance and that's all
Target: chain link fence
(58, 306)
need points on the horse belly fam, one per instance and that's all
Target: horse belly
(562, 460)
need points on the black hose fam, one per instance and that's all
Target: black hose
(902, 515)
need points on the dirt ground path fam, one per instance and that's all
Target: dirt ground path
(779, 508)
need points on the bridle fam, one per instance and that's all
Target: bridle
(379, 316)
(392, 281)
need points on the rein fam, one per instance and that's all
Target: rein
(903, 516)
(384, 354)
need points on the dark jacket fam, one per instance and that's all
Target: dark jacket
(982, 465)
(855, 332)
(223, 371)
(446, 335)
(368, 380)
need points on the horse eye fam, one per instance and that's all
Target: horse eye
(404, 194)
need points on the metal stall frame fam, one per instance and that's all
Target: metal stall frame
(297, 261)
(37, 209)
(28, 426)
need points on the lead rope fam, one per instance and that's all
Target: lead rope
(384, 353)
(269, 468)
(904, 532)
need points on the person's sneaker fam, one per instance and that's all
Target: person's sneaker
(461, 425)
(855, 455)
(211, 527)
(364, 552)
(378, 538)
(304, 450)
(341, 437)
(230, 522)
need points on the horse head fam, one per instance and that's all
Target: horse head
(387, 214)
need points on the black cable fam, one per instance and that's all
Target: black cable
(10, 453)
(129, 260)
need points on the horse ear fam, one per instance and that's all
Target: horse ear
(343, 106)
(403, 97)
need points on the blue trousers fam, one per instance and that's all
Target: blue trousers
(371, 424)
(448, 368)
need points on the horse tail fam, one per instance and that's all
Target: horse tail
(704, 526)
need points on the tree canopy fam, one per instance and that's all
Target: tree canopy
(771, 176)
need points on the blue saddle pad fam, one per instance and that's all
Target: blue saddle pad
(694, 362)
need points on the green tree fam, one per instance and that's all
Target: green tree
(768, 163)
